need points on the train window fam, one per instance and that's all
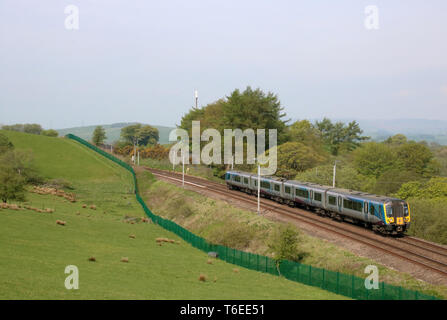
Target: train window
(302, 193)
(276, 187)
(265, 184)
(365, 207)
(332, 200)
(245, 180)
(317, 196)
(237, 178)
(371, 209)
(256, 183)
(227, 176)
(357, 206)
(347, 204)
(287, 189)
(405, 210)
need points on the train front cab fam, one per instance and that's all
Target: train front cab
(397, 216)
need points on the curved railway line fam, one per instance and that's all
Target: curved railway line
(413, 250)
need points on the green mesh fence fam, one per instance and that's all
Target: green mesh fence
(339, 283)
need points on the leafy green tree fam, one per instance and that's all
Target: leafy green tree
(12, 185)
(130, 133)
(14, 127)
(12, 179)
(32, 128)
(294, 157)
(22, 163)
(50, 133)
(373, 159)
(249, 109)
(99, 135)
(391, 180)
(283, 245)
(346, 177)
(337, 135)
(303, 131)
(256, 110)
(147, 135)
(396, 140)
(414, 157)
(435, 188)
(5, 144)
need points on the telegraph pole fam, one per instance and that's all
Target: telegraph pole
(183, 169)
(196, 96)
(333, 175)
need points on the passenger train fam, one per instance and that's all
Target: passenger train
(383, 214)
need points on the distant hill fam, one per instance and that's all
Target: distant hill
(113, 132)
(414, 129)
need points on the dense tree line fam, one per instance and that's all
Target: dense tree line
(32, 128)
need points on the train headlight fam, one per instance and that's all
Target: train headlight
(391, 220)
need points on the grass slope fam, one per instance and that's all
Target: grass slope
(34, 250)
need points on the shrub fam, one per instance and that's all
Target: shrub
(232, 234)
(284, 244)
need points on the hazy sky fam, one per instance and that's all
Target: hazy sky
(141, 60)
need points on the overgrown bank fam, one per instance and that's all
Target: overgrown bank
(220, 223)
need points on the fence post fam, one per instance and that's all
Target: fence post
(323, 278)
(383, 290)
(298, 272)
(337, 288)
(257, 262)
(310, 275)
(352, 285)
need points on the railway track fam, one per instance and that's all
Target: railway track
(416, 251)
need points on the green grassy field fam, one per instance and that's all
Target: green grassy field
(34, 250)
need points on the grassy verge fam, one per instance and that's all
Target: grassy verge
(192, 169)
(34, 250)
(219, 222)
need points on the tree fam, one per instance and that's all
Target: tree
(396, 140)
(32, 128)
(147, 135)
(414, 157)
(303, 131)
(50, 133)
(12, 185)
(294, 157)
(5, 144)
(130, 133)
(12, 182)
(338, 136)
(99, 135)
(373, 159)
(284, 245)
(250, 109)
(22, 163)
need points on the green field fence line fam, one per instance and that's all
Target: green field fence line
(336, 282)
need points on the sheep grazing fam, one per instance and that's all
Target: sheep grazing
(93, 207)
(132, 236)
(84, 206)
(93, 259)
(236, 270)
(60, 222)
(202, 278)
(124, 259)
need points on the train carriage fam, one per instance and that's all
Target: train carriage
(383, 214)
